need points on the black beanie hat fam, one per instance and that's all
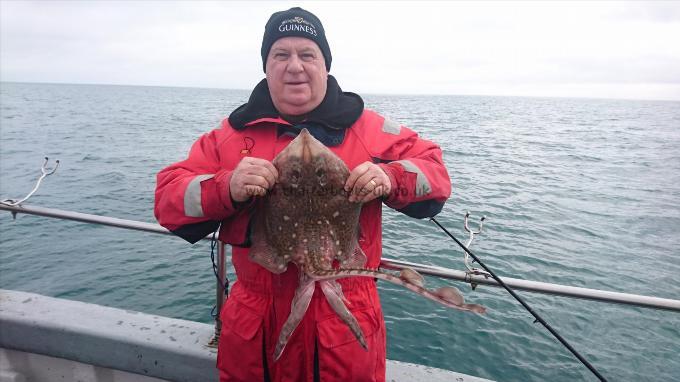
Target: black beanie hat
(295, 22)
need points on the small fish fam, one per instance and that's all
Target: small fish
(308, 220)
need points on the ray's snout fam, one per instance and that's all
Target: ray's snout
(305, 140)
(304, 134)
(305, 147)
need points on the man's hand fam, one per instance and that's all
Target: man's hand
(366, 182)
(252, 177)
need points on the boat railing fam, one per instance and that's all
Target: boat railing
(386, 263)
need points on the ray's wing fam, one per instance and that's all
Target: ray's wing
(267, 257)
(355, 259)
(262, 252)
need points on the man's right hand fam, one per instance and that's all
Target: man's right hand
(252, 177)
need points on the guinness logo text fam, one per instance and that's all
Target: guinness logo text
(297, 24)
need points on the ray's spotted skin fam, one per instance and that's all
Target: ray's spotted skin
(307, 219)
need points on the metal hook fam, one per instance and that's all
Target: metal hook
(468, 264)
(45, 172)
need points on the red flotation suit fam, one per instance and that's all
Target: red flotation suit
(192, 197)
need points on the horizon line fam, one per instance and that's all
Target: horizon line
(367, 93)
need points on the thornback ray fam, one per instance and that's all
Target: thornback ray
(307, 219)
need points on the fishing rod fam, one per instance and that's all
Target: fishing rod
(537, 317)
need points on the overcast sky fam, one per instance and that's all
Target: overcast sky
(583, 49)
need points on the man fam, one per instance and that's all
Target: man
(229, 168)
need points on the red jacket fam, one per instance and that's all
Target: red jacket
(192, 197)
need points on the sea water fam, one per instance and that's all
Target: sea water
(580, 192)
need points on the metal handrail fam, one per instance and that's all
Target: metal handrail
(88, 218)
(527, 285)
(133, 225)
(540, 287)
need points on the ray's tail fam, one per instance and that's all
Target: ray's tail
(409, 279)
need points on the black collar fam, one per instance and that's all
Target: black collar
(338, 110)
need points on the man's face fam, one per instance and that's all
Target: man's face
(296, 75)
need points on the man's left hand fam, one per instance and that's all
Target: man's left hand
(366, 182)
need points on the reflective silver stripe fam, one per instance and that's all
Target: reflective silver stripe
(422, 184)
(391, 127)
(192, 197)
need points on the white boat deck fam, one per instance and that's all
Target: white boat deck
(50, 339)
